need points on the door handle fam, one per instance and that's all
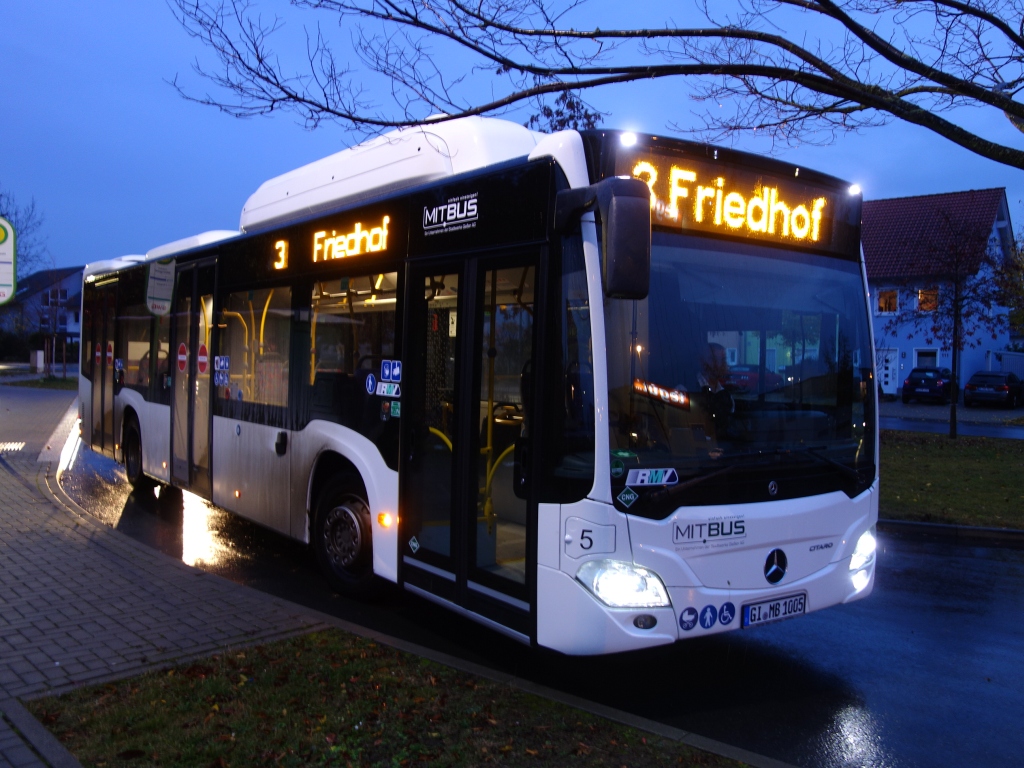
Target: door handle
(281, 446)
(521, 473)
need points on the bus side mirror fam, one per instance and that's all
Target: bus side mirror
(624, 211)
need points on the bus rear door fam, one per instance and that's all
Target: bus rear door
(468, 539)
(103, 304)
(192, 370)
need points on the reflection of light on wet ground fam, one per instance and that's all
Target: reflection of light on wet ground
(853, 739)
(198, 542)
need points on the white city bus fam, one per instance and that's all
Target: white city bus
(596, 390)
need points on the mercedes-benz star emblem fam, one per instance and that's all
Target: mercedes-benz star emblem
(775, 566)
(773, 488)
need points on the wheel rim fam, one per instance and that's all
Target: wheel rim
(343, 537)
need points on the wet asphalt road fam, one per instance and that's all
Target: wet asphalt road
(925, 672)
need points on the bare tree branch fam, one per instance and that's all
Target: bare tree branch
(795, 70)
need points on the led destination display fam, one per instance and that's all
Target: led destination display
(706, 196)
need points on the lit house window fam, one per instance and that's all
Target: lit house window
(928, 299)
(888, 302)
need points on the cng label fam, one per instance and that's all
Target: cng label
(627, 497)
(201, 359)
(182, 357)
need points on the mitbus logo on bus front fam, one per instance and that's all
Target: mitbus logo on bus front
(355, 243)
(717, 532)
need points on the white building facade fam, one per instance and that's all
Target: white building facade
(912, 246)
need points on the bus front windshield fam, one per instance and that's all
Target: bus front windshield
(744, 376)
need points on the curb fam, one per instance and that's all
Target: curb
(955, 534)
(36, 736)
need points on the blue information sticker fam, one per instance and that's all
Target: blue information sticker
(396, 371)
(708, 616)
(727, 613)
(371, 384)
(688, 618)
(385, 370)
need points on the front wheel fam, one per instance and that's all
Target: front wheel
(132, 451)
(342, 540)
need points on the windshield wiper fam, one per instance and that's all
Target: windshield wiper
(673, 490)
(813, 450)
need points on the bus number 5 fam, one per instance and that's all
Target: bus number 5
(586, 542)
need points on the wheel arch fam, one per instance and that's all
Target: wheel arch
(380, 487)
(329, 463)
(128, 415)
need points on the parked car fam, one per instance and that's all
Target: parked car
(746, 378)
(1000, 387)
(934, 384)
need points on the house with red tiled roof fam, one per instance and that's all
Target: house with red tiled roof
(916, 249)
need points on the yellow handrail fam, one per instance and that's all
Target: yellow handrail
(490, 475)
(442, 435)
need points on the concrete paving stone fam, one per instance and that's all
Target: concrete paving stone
(21, 667)
(19, 756)
(33, 677)
(54, 674)
(38, 660)
(7, 738)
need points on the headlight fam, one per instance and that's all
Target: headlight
(623, 585)
(860, 580)
(864, 552)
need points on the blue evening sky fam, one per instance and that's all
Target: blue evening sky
(118, 162)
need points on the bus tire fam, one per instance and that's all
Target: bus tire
(342, 540)
(132, 451)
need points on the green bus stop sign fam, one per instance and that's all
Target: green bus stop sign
(8, 262)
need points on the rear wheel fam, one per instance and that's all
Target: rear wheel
(132, 451)
(342, 540)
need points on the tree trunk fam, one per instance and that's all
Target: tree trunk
(955, 384)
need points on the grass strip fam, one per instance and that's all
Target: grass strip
(49, 382)
(967, 481)
(331, 698)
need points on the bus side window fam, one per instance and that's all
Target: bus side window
(254, 352)
(86, 345)
(134, 324)
(162, 348)
(570, 414)
(352, 330)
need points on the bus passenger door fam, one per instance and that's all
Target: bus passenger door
(192, 370)
(102, 407)
(467, 537)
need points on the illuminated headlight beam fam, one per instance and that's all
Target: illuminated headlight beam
(619, 584)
